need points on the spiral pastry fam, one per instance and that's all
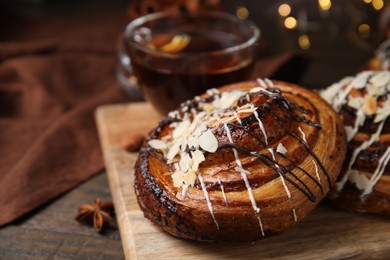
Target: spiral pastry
(363, 102)
(240, 163)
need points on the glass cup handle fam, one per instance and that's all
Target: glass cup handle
(125, 74)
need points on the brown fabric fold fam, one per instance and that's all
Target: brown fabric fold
(50, 85)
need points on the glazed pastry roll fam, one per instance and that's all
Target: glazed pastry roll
(240, 163)
(363, 102)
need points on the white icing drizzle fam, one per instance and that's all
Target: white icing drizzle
(340, 98)
(263, 86)
(237, 117)
(279, 172)
(313, 161)
(317, 173)
(294, 215)
(223, 191)
(261, 225)
(184, 191)
(303, 134)
(244, 173)
(261, 125)
(340, 184)
(359, 121)
(206, 195)
(241, 170)
(383, 161)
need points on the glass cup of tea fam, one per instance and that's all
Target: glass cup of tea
(174, 57)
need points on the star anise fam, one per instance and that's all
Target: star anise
(99, 214)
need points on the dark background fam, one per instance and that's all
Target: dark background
(337, 49)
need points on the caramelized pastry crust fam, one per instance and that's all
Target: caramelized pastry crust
(240, 163)
(363, 103)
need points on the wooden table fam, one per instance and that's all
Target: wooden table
(51, 231)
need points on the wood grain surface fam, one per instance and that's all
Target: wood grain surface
(327, 233)
(51, 232)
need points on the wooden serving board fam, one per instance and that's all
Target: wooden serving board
(327, 233)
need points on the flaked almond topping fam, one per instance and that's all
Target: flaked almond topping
(369, 106)
(173, 114)
(190, 178)
(183, 145)
(208, 142)
(375, 91)
(198, 117)
(185, 148)
(331, 92)
(173, 151)
(193, 142)
(158, 144)
(185, 162)
(281, 149)
(212, 91)
(200, 129)
(181, 128)
(360, 81)
(178, 178)
(380, 79)
(355, 103)
(227, 99)
(197, 158)
(208, 107)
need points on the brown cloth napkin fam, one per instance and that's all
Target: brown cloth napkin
(52, 77)
(53, 74)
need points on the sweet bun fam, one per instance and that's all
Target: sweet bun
(363, 102)
(240, 163)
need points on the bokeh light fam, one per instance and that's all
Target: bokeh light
(284, 10)
(364, 30)
(242, 13)
(325, 4)
(377, 4)
(290, 22)
(304, 42)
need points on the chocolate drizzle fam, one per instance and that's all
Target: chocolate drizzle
(274, 96)
(308, 122)
(269, 162)
(251, 133)
(310, 151)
